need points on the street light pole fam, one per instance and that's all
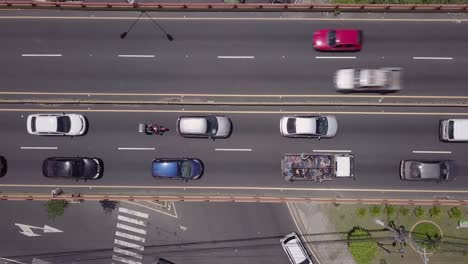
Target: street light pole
(168, 36)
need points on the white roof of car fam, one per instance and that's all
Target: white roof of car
(460, 129)
(306, 125)
(343, 166)
(372, 78)
(344, 79)
(46, 123)
(295, 250)
(193, 125)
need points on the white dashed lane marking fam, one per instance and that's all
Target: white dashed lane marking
(41, 55)
(432, 58)
(39, 147)
(135, 56)
(431, 152)
(236, 57)
(335, 57)
(224, 149)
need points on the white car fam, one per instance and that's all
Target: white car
(368, 80)
(452, 130)
(56, 124)
(295, 250)
(308, 126)
(204, 126)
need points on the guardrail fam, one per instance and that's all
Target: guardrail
(237, 199)
(210, 7)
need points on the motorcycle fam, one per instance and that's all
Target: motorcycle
(152, 129)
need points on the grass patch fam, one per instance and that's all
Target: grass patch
(427, 236)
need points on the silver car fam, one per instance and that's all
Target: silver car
(416, 170)
(368, 80)
(295, 250)
(204, 126)
(309, 126)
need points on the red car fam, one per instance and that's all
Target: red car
(338, 40)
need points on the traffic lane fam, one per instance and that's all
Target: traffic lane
(205, 232)
(261, 75)
(83, 238)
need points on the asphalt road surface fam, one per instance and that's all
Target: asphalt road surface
(87, 55)
(187, 233)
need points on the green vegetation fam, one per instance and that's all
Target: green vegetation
(455, 213)
(374, 210)
(361, 212)
(435, 212)
(421, 2)
(419, 212)
(390, 211)
(56, 208)
(404, 211)
(427, 236)
(362, 246)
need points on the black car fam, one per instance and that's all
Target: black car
(73, 168)
(416, 170)
(3, 166)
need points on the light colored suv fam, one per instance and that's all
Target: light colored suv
(454, 130)
(295, 250)
(56, 124)
(204, 126)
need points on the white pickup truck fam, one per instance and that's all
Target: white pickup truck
(368, 80)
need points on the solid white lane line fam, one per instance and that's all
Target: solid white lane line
(331, 151)
(41, 55)
(432, 152)
(39, 147)
(128, 244)
(136, 148)
(128, 253)
(124, 260)
(131, 237)
(132, 212)
(135, 56)
(131, 220)
(236, 57)
(224, 149)
(131, 229)
(335, 57)
(432, 58)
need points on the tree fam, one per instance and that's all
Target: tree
(108, 206)
(361, 212)
(56, 208)
(455, 213)
(404, 211)
(362, 246)
(389, 211)
(374, 210)
(435, 212)
(419, 212)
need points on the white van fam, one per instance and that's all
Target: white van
(295, 250)
(454, 130)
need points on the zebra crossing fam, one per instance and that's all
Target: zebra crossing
(129, 237)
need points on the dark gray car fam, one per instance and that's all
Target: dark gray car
(416, 170)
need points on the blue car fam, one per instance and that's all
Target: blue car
(177, 168)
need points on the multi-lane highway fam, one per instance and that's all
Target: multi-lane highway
(215, 56)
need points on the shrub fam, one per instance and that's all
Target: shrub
(55, 208)
(374, 210)
(435, 212)
(361, 246)
(404, 211)
(455, 213)
(419, 212)
(108, 206)
(361, 212)
(390, 210)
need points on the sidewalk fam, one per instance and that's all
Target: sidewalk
(318, 233)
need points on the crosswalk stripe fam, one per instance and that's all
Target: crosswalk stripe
(128, 253)
(131, 229)
(128, 236)
(124, 260)
(131, 220)
(132, 212)
(128, 244)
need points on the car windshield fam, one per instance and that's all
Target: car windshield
(77, 168)
(185, 169)
(415, 170)
(211, 125)
(332, 38)
(291, 125)
(450, 129)
(322, 126)
(63, 124)
(357, 77)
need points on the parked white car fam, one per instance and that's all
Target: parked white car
(368, 80)
(56, 124)
(454, 130)
(295, 249)
(204, 126)
(308, 126)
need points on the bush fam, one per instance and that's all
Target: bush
(55, 208)
(108, 206)
(455, 213)
(361, 212)
(404, 211)
(374, 210)
(419, 212)
(362, 246)
(435, 212)
(389, 211)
